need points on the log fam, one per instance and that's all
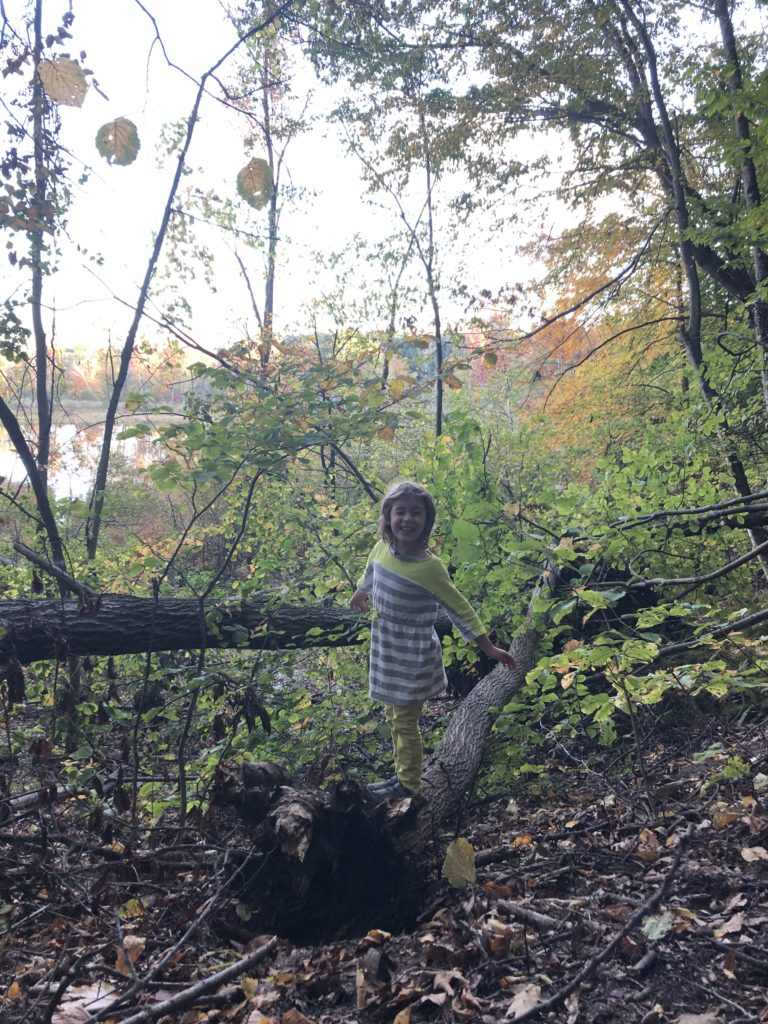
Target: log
(113, 624)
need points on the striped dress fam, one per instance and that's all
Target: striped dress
(406, 657)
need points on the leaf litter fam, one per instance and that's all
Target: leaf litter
(553, 883)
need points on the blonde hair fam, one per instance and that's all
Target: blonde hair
(406, 488)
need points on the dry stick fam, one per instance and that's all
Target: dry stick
(533, 917)
(661, 581)
(189, 995)
(53, 570)
(71, 975)
(591, 966)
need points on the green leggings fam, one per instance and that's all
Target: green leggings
(403, 722)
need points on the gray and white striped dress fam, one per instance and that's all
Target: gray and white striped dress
(406, 663)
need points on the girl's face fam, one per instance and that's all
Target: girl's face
(407, 521)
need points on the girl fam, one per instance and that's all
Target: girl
(409, 584)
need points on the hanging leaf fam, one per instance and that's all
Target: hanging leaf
(118, 141)
(13, 674)
(254, 183)
(459, 864)
(63, 81)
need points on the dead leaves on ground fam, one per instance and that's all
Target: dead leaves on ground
(529, 893)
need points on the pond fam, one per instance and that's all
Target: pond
(75, 451)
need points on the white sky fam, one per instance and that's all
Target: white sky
(117, 210)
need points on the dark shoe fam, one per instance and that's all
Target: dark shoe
(392, 790)
(375, 787)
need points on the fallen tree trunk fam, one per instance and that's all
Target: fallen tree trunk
(113, 624)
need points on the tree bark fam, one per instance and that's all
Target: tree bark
(114, 624)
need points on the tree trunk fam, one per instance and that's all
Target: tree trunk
(114, 624)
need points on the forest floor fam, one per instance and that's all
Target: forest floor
(602, 894)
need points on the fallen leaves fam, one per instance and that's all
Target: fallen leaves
(524, 999)
(752, 854)
(128, 952)
(459, 864)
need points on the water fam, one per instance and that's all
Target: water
(75, 452)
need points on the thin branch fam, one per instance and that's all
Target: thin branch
(93, 525)
(661, 581)
(703, 512)
(68, 582)
(200, 988)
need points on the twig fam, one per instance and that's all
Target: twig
(544, 921)
(71, 975)
(189, 995)
(723, 999)
(661, 581)
(53, 570)
(591, 966)
(740, 954)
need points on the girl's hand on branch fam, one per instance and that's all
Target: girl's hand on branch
(359, 601)
(496, 653)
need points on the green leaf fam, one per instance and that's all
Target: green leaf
(118, 141)
(600, 598)
(462, 530)
(658, 926)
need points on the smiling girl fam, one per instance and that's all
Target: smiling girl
(409, 584)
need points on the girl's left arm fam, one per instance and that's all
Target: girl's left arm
(490, 649)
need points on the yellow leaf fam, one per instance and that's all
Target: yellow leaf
(132, 908)
(361, 988)
(396, 388)
(404, 1017)
(13, 991)
(63, 81)
(459, 864)
(118, 141)
(249, 987)
(254, 183)
(567, 680)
